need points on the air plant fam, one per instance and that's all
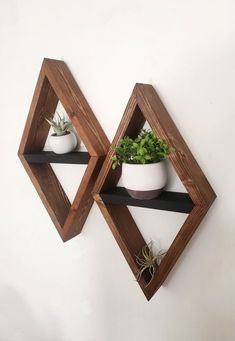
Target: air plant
(147, 260)
(59, 125)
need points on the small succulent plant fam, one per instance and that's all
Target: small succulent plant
(147, 260)
(59, 125)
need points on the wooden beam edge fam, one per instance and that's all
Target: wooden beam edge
(41, 194)
(88, 126)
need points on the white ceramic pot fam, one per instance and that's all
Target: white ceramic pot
(144, 181)
(63, 144)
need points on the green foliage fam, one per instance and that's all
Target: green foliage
(59, 125)
(145, 148)
(148, 261)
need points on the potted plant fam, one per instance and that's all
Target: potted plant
(148, 261)
(62, 141)
(143, 169)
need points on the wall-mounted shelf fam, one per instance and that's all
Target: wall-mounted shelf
(56, 83)
(50, 157)
(144, 104)
(167, 201)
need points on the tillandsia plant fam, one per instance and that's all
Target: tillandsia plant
(59, 125)
(145, 148)
(148, 261)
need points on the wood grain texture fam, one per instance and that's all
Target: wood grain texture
(145, 104)
(132, 121)
(43, 106)
(83, 201)
(126, 234)
(50, 191)
(76, 106)
(56, 83)
(182, 159)
(181, 240)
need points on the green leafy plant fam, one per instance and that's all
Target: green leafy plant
(145, 148)
(59, 125)
(148, 261)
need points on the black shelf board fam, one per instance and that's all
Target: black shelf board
(167, 201)
(51, 157)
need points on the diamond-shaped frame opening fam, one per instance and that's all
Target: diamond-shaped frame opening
(145, 105)
(56, 83)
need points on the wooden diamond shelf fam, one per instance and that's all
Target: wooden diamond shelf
(56, 83)
(144, 104)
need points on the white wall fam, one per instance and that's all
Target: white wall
(83, 289)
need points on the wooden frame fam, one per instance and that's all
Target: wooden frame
(144, 104)
(56, 83)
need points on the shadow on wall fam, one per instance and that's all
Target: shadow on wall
(19, 323)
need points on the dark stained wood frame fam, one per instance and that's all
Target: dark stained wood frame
(144, 104)
(56, 83)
